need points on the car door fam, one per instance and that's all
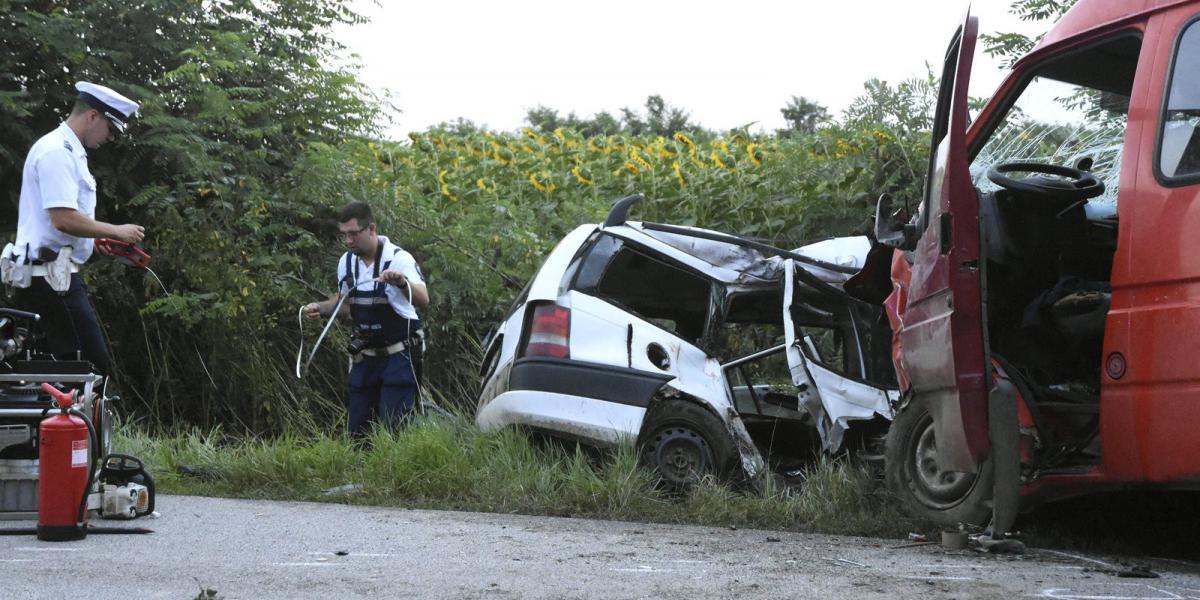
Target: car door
(832, 398)
(943, 334)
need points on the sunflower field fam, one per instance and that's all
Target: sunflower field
(480, 209)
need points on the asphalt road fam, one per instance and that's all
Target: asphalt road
(261, 549)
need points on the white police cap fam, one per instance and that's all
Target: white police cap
(117, 108)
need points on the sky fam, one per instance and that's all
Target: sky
(728, 64)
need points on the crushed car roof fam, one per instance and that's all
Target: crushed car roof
(738, 260)
(744, 260)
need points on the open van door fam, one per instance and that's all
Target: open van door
(943, 333)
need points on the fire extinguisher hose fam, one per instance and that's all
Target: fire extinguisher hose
(95, 460)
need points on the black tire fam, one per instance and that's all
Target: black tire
(925, 491)
(683, 442)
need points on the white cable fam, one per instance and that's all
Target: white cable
(412, 368)
(300, 352)
(332, 316)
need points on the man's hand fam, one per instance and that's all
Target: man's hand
(393, 277)
(312, 310)
(129, 233)
(417, 292)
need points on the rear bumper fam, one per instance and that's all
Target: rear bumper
(567, 377)
(585, 419)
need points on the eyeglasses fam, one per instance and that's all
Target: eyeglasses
(345, 235)
(113, 131)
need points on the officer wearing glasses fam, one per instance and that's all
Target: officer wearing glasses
(384, 287)
(58, 211)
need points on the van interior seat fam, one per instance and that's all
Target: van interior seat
(1081, 314)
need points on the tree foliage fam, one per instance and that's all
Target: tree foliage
(232, 94)
(660, 118)
(1012, 46)
(803, 116)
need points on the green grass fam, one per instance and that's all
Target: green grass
(447, 463)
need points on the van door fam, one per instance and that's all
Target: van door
(943, 334)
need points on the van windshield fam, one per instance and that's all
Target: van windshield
(1072, 112)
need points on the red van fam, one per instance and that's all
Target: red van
(1046, 295)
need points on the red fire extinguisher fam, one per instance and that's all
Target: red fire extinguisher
(64, 471)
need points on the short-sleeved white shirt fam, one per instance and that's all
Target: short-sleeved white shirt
(393, 257)
(56, 175)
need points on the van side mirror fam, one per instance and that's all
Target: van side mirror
(892, 227)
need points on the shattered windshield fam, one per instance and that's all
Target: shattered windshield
(1073, 113)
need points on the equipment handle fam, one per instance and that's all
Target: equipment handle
(21, 314)
(63, 399)
(124, 252)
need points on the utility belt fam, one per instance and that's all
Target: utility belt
(45, 270)
(18, 271)
(396, 348)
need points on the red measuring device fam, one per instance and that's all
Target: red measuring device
(124, 252)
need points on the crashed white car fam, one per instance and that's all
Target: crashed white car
(713, 354)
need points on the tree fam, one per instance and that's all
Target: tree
(458, 127)
(1012, 46)
(232, 94)
(660, 119)
(547, 119)
(802, 115)
(543, 118)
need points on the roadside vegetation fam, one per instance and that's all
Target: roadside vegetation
(447, 463)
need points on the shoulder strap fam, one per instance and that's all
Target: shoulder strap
(348, 255)
(395, 251)
(378, 258)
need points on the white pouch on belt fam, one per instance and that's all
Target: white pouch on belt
(14, 270)
(58, 273)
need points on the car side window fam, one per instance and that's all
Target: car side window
(1179, 142)
(598, 256)
(660, 292)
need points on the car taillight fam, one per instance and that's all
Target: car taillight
(550, 333)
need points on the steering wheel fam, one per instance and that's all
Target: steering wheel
(1070, 184)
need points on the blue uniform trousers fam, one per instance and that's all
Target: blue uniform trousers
(68, 320)
(381, 386)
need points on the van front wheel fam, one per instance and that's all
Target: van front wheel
(924, 489)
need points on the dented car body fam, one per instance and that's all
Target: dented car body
(710, 352)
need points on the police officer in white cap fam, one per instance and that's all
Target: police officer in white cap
(57, 218)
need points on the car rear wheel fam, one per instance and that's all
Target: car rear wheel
(683, 442)
(924, 489)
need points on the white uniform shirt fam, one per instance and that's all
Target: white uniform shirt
(401, 261)
(56, 176)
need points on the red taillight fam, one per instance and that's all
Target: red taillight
(550, 334)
